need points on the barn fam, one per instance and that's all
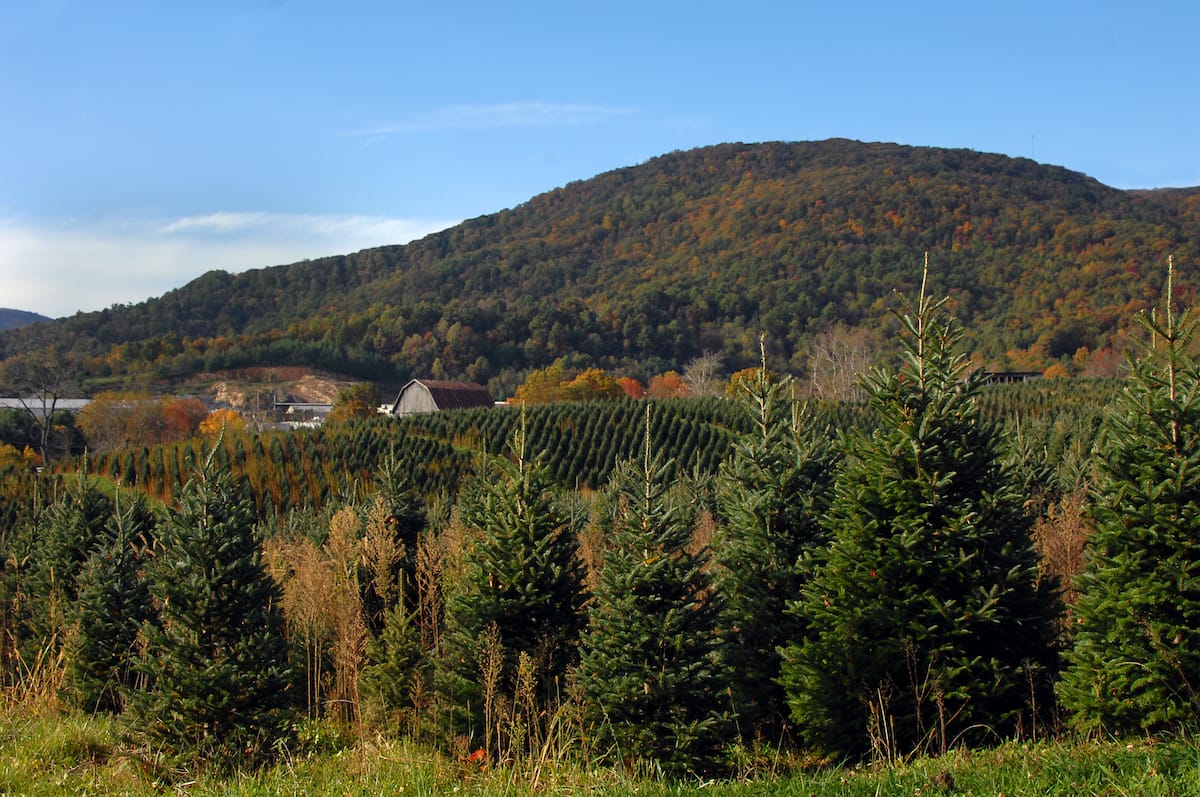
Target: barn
(428, 395)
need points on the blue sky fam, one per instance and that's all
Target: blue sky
(143, 143)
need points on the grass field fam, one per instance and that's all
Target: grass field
(85, 755)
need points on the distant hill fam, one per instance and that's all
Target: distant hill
(644, 268)
(11, 319)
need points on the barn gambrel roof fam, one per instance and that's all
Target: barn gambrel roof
(448, 395)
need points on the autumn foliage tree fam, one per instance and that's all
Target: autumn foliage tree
(542, 386)
(223, 420)
(559, 383)
(124, 420)
(591, 385)
(666, 386)
(631, 387)
(357, 401)
(182, 417)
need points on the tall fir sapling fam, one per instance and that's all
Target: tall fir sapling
(521, 595)
(773, 494)
(1134, 663)
(113, 602)
(218, 687)
(650, 678)
(67, 534)
(926, 622)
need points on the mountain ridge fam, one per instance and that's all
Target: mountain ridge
(11, 318)
(644, 267)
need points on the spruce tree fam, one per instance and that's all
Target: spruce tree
(521, 593)
(773, 494)
(650, 678)
(113, 603)
(926, 624)
(1134, 665)
(219, 687)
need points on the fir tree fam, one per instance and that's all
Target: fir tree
(1134, 665)
(215, 658)
(397, 664)
(406, 519)
(926, 623)
(75, 527)
(649, 674)
(522, 588)
(113, 603)
(773, 493)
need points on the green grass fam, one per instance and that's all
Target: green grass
(85, 755)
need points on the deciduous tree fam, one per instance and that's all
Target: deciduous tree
(667, 385)
(223, 421)
(593, 384)
(704, 375)
(40, 380)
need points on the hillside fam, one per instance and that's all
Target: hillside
(11, 319)
(643, 268)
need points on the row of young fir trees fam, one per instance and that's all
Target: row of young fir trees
(877, 593)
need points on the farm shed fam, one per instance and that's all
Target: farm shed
(427, 395)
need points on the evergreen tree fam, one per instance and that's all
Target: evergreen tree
(112, 605)
(522, 588)
(397, 664)
(398, 669)
(1134, 665)
(925, 623)
(406, 518)
(773, 494)
(71, 530)
(215, 658)
(649, 674)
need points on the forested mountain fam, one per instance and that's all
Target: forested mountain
(644, 268)
(11, 319)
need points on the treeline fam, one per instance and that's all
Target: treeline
(641, 270)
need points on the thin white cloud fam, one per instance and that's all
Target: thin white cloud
(222, 222)
(59, 271)
(307, 225)
(511, 114)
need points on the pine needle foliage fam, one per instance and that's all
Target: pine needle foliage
(218, 681)
(521, 590)
(650, 678)
(773, 494)
(927, 625)
(1134, 665)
